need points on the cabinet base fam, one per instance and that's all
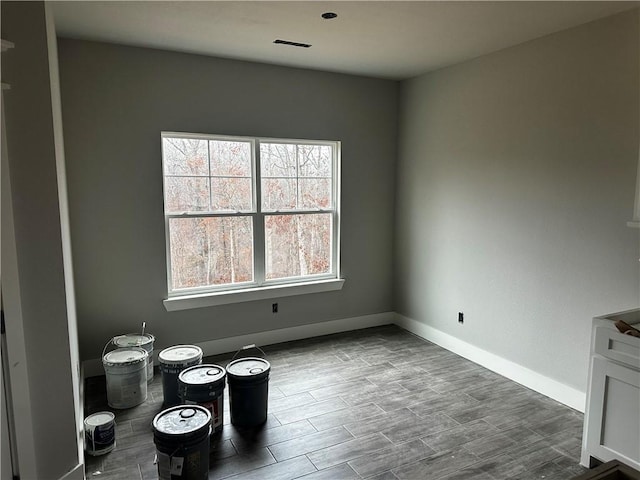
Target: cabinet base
(613, 470)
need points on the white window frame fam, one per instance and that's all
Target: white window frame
(259, 288)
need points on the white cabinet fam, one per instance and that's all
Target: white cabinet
(612, 415)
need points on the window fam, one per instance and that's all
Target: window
(248, 213)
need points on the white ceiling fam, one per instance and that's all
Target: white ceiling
(386, 39)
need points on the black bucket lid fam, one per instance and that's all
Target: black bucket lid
(183, 421)
(205, 374)
(249, 368)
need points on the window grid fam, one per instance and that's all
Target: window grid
(259, 214)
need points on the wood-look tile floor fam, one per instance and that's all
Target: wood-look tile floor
(378, 403)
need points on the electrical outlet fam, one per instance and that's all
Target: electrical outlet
(460, 317)
(274, 308)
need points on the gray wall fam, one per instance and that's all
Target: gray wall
(515, 181)
(116, 100)
(38, 237)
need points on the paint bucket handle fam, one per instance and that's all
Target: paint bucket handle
(104, 350)
(112, 341)
(248, 347)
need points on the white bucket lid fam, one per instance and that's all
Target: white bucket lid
(182, 420)
(248, 367)
(99, 418)
(125, 356)
(206, 374)
(133, 340)
(180, 354)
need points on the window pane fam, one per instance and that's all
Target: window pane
(231, 194)
(230, 159)
(297, 245)
(315, 192)
(186, 194)
(277, 160)
(185, 156)
(210, 251)
(314, 160)
(278, 193)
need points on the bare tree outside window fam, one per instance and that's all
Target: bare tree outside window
(214, 218)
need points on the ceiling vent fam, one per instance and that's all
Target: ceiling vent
(293, 44)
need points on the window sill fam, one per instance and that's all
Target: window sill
(186, 302)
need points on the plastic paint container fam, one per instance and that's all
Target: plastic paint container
(126, 373)
(181, 435)
(144, 341)
(99, 433)
(248, 380)
(204, 385)
(174, 360)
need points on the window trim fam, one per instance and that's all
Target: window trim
(212, 299)
(259, 288)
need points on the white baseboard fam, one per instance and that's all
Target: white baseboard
(94, 368)
(535, 381)
(540, 383)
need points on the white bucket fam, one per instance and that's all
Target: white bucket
(126, 371)
(144, 341)
(99, 433)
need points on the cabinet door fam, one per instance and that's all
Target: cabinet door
(614, 413)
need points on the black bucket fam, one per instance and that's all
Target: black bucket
(204, 385)
(174, 360)
(181, 435)
(248, 380)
